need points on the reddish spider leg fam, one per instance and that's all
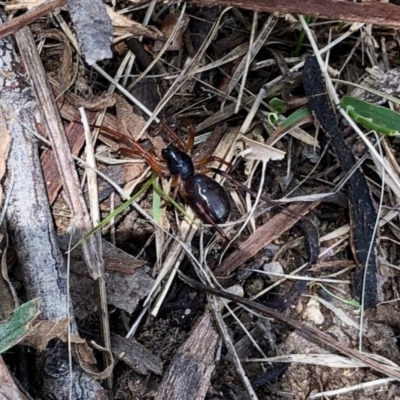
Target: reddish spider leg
(211, 159)
(181, 144)
(156, 165)
(186, 147)
(202, 212)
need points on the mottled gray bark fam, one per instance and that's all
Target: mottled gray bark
(188, 376)
(93, 28)
(30, 224)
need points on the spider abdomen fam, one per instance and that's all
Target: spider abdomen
(205, 195)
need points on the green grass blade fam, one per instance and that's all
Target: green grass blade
(354, 303)
(377, 118)
(296, 116)
(173, 202)
(384, 95)
(14, 330)
(117, 211)
(300, 40)
(157, 212)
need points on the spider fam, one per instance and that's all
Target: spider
(207, 198)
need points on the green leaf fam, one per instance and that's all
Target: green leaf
(14, 330)
(295, 117)
(371, 116)
(157, 213)
(277, 105)
(273, 118)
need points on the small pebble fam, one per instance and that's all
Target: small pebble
(313, 312)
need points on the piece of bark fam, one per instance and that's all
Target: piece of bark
(93, 28)
(363, 213)
(65, 162)
(188, 377)
(245, 346)
(8, 388)
(264, 235)
(136, 356)
(376, 13)
(30, 225)
(124, 289)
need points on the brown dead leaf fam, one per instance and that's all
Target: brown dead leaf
(92, 103)
(129, 123)
(167, 29)
(84, 354)
(44, 331)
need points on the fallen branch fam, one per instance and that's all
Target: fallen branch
(375, 13)
(29, 221)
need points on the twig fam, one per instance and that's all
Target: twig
(29, 17)
(376, 13)
(61, 148)
(95, 214)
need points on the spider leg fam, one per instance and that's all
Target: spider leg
(192, 133)
(116, 136)
(156, 165)
(176, 184)
(211, 159)
(205, 217)
(181, 144)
